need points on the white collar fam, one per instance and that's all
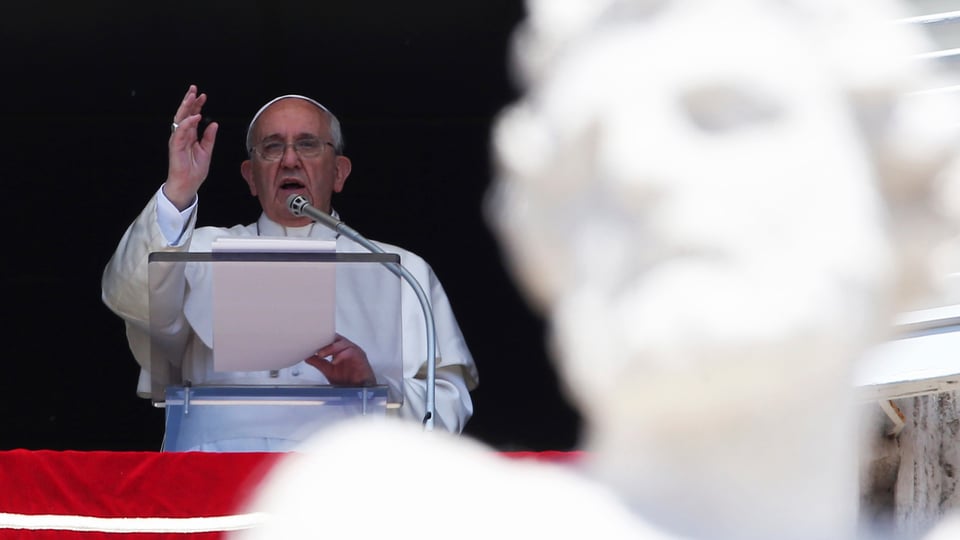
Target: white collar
(268, 227)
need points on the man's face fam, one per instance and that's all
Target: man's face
(316, 178)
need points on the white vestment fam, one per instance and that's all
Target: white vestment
(126, 292)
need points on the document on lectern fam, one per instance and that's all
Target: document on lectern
(271, 314)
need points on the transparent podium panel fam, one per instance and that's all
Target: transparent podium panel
(239, 331)
(260, 418)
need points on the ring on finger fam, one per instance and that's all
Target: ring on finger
(173, 127)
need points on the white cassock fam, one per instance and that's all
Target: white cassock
(126, 292)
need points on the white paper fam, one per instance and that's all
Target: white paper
(267, 314)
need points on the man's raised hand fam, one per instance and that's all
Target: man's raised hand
(189, 155)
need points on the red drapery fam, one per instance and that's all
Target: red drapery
(47, 495)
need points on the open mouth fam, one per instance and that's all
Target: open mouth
(291, 185)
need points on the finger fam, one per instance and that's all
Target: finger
(326, 353)
(322, 365)
(186, 132)
(338, 337)
(184, 109)
(344, 343)
(209, 137)
(196, 105)
(344, 357)
(190, 105)
(322, 354)
(338, 345)
(189, 95)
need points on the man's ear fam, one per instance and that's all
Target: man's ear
(343, 168)
(246, 170)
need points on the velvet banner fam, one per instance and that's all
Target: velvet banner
(48, 495)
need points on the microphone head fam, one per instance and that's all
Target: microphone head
(296, 203)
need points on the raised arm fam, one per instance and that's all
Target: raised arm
(126, 284)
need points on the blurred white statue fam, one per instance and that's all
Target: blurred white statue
(717, 206)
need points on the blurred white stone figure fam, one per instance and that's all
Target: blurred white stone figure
(717, 206)
(387, 479)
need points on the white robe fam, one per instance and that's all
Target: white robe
(126, 293)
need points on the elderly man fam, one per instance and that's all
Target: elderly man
(295, 146)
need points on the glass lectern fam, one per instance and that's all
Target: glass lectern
(230, 333)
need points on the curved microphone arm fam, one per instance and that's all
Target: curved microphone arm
(300, 206)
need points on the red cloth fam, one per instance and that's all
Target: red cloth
(139, 485)
(126, 484)
(555, 456)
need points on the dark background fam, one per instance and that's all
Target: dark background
(88, 93)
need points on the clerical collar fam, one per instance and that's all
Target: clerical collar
(268, 227)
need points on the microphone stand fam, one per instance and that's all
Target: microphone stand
(299, 206)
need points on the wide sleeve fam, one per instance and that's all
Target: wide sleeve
(126, 284)
(456, 371)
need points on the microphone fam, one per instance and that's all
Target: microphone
(300, 206)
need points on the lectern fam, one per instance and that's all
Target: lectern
(230, 332)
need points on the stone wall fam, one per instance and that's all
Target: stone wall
(909, 481)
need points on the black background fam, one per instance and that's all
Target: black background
(88, 93)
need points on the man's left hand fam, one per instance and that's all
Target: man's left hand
(347, 366)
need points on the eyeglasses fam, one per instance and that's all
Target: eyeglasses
(306, 148)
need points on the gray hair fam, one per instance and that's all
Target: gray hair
(335, 133)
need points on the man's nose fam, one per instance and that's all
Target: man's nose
(290, 158)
